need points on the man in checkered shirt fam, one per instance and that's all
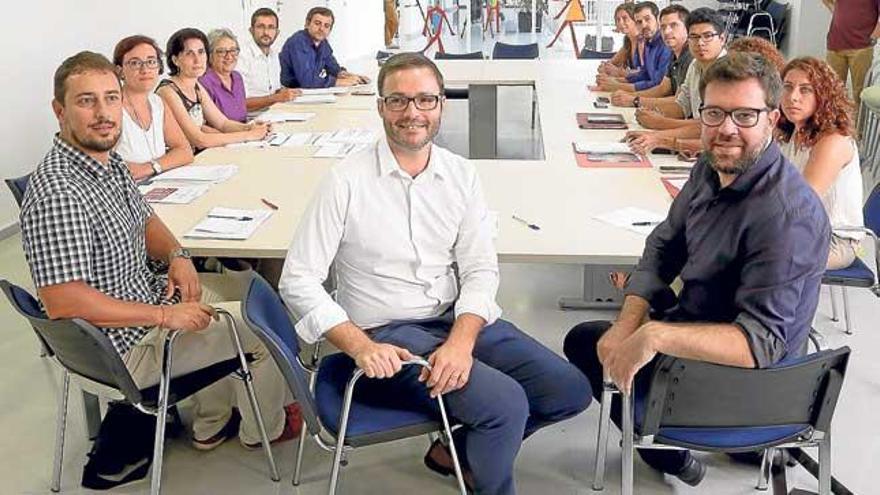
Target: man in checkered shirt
(88, 237)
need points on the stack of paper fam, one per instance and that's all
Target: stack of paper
(305, 99)
(334, 90)
(339, 150)
(607, 147)
(229, 223)
(633, 219)
(179, 195)
(342, 142)
(279, 116)
(212, 174)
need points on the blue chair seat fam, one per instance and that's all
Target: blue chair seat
(730, 439)
(855, 275)
(366, 424)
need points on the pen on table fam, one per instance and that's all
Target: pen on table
(269, 204)
(527, 224)
(644, 224)
(228, 217)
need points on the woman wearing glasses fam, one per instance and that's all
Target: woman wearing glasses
(815, 133)
(224, 84)
(203, 123)
(151, 139)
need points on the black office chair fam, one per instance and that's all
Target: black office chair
(459, 56)
(704, 406)
(18, 186)
(520, 52)
(83, 350)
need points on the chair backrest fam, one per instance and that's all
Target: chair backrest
(18, 186)
(688, 393)
(459, 56)
(267, 317)
(77, 345)
(872, 210)
(594, 55)
(508, 51)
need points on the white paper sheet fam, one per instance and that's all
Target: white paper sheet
(276, 116)
(312, 99)
(626, 217)
(198, 173)
(229, 223)
(593, 147)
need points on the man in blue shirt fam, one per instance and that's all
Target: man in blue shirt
(747, 236)
(656, 58)
(307, 59)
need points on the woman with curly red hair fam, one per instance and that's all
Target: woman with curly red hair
(815, 132)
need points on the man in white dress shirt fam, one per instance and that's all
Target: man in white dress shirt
(408, 230)
(259, 65)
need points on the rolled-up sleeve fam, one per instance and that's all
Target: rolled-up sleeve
(477, 259)
(313, 249)
(774, 280)
(664, 255)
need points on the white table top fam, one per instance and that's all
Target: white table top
(554, 192)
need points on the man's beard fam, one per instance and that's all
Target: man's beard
(741, 164)
(393, 133)
(99, 145)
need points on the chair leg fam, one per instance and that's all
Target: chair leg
(455, 462)
(766, 466)
(626, 473)
(833, 303)
(60, 424)
(248, 379)
(161, 413)
(846, 321)
(602, 440)
(825, 465)
(313, 377)
(343, 428)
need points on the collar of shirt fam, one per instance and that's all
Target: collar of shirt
(747, 180)
(86, 162)
(388, 163)
(212, 76)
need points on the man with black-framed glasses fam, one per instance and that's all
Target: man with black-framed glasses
(410, 236)
(748, 238)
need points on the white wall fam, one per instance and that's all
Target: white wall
(39, 34)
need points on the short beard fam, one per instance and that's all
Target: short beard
(738, 167)
(97, 145)
(390, 131)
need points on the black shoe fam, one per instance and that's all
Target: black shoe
(439, 459)
(693, 472)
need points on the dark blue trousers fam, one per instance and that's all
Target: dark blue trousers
(516, 386)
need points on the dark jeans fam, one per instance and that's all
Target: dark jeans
(516, 386)
(580, 348)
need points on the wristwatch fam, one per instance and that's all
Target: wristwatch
(156, 166)
(179, 253)
(637, 101)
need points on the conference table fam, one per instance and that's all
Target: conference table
(552, 192)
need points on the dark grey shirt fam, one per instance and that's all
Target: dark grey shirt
(751, 254)
(678, 69)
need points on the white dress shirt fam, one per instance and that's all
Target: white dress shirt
(393, 240)
(261, 72)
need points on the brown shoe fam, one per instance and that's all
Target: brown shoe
(439, 459)
(229, 430)
(292, 427)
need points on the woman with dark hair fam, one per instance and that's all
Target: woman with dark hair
(629, 57)
(815, 132)
(151, 140)
(203, 123)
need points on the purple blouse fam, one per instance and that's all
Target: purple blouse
(230, 102)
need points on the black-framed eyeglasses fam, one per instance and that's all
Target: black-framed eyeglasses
(398, 103)
(222, 52)
(136, 63)
(742, 117)
(707, 37)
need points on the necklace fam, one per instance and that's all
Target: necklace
(143, 124)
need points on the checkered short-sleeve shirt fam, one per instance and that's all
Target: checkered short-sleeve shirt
(85, 221)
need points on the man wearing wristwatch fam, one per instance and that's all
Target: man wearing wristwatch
(89, 238)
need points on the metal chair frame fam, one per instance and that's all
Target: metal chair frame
(630, 441)
(123, 384)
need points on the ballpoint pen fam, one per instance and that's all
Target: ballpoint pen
(269, 204)
(527, 224)
(644, 224)
(227, 217)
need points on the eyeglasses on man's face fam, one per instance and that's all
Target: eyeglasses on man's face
(742, 117)
(704, 37)
(398, 103)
